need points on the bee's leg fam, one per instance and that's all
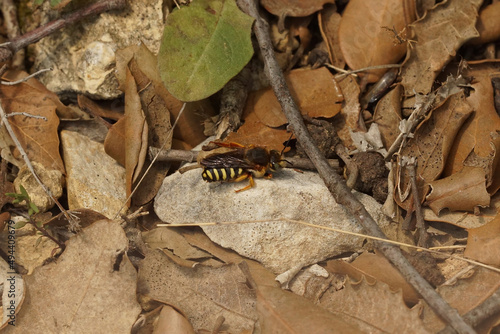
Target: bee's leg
(268, 176)
(251, 182)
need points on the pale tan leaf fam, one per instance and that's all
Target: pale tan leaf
(374, 308)
(202, 293)
(91, 287)
(483, 243)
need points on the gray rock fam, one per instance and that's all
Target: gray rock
(280, 246)
(83, 55)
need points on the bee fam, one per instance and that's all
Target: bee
(237, 163)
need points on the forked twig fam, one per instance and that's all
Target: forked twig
(336, 184)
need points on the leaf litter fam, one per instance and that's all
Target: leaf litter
(194, 280)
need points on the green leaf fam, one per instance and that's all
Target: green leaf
(34, 207)
(20, 224)
(203, 47)
(24, 193)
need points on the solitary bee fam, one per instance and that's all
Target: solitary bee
(238, 163)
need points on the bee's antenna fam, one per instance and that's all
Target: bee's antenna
(286, 145)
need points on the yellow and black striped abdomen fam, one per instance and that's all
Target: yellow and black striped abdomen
(221, 174)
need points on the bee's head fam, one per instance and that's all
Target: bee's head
(275, 161)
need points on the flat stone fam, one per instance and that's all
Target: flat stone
(94, 179)
(280, 246)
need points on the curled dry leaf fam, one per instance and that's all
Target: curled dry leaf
(483, 243)
(431, 145)
(388, 115)
(373, 307)
(461, 191)
(477, 143)
(90, 287)
(349, 117)
(466, 220)
(438, 36)
(365, 34)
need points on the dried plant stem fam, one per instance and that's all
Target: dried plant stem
(13, 83)
(332, 229)
(9, 11)
(423, 237)
(73, 223)
(34, 36)
(336, 184)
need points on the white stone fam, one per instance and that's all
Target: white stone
(280, 246)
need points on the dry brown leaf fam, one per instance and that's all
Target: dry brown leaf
(281, 311)
(348, 118)
(202, 293)
(315, 92)
(438, 36)
(136, 133)
(473, 145)
(295, 8)
(431, 144)
(375, 267)
(114, 144)
(39, 138)
(173, 240)
(190, 125)
(91, 287)
(96, 109)
(466, 294)
(374, 308)
(483, 243)
(365, 34)
(388, 115)
(488, 24)
(466, 219)
(329, 22)
(261, 275)
(171, 321)
(462, 191)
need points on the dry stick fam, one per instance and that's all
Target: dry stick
(47, 29)
(423, 238)
(9, 10)
(336, 184)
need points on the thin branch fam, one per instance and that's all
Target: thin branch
(73, 224)
(336, 184)
(35, 35)
(27, 115)
(13, 83)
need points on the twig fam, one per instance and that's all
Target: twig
(35, 35)
(191, 156)
(13, 83)
(336, 184)
(27, 115)
(72, 222)
(365, 69)
(423, 237)
(9, 10)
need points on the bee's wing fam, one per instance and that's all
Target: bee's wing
(229, 159)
